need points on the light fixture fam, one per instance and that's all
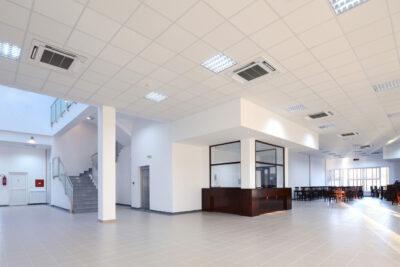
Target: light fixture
(89, 118)
(297, 107)
(218, 63)
(32, 140)
(391, 141)
(156, 97)
(9, 51)
(386, 86)
(326, 126)
(341, 6)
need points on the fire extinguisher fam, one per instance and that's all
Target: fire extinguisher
(3, 180)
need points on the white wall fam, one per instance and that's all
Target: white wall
(151, 145)
(74, 147)
(22, 111)
(22, 159)
(124, 176)
(190, 175)
(392, 151)
(394, 165)
(306, 170)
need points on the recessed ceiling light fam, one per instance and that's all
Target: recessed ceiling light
(156, 97)
(89, 118)
(386, 86)
(218, 63)
(9, 51)
(341, 6)
(294, 108)
(32, 140)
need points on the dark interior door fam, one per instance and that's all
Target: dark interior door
(145, 187)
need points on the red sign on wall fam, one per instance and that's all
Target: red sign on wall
(39, 182)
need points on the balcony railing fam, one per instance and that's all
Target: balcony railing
(58, 109)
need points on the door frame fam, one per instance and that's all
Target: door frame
(141, 169)
(11, 187)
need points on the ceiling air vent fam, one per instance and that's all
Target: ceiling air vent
(376, 153)
(320, 115)
(364, 147)
(55, 58)
(253, 70)
(348, 134)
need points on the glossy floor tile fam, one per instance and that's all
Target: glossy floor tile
(361, 233)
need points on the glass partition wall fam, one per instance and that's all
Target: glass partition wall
(270, 168)
(225, 165)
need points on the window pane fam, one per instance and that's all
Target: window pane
(266, 153)
(225, 153)
(227, 175)
(270, 176)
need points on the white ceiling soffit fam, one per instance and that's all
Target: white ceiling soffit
(325, 61)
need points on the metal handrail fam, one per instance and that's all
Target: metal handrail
(59, 171)
(94, 174)
(58, 108)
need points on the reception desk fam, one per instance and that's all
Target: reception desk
(246, 202)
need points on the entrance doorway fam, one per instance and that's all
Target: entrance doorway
(266, 177)
(145, 187)
(18, 186)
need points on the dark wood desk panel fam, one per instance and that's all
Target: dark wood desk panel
(247, 202)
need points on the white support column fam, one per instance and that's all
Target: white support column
(287, 174)
(106, 163)
(248, 163)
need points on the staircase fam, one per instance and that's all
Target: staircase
(85, 193)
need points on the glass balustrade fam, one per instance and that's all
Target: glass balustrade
(58, 109)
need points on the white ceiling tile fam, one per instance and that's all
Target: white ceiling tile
(66, 11)
(149, 84)
(163, 75)
(64, 79)
(198, 74)
(49, 29)
(179, 64)
(340, 59)
(364, 14)
(182, 82)
(128, 76)
(117, 86)
(130, 41)
(85, 86)
(216, 81)
(272, 35)
(141, 66)
(85, 43)
(223, 36)
(90, 21)
(199, 52)
(24, 3)
(346, 69)
(94, 77)
(299, 60)
(52, 87)
(78, 94)
(148, 22)
(118, 10)
(7, 77)
(115, 55)
(379, 59)
(227, 7)
(285, 7)
(394, 6)
(309, 15)
(104, 67)
(176, 39)
(331, 48)
(157, 54)
(34, 71)
(29, 82)
(243, 50)
(285, 49)
(172, 9)
(13, 15)
(260, 13)
(319, 34)
(375, 47)
(309, 70)
(200, 19)
(370, 33)
(11, 35)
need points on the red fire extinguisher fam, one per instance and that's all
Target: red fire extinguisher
(3, 180)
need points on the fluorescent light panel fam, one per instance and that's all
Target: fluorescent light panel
(218, 63)
(294, 108)
(341, 6)
(9, 51)
(156, 97)
(386, 86)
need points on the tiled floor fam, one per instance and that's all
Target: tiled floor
(362, 233)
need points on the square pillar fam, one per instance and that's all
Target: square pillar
(287, 173)
(106, 132)
(248, 163)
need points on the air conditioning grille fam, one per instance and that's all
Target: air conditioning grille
(55, 59)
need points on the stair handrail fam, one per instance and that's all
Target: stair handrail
(59, 171)
(94, 174)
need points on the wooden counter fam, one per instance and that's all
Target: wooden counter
(246, 202)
